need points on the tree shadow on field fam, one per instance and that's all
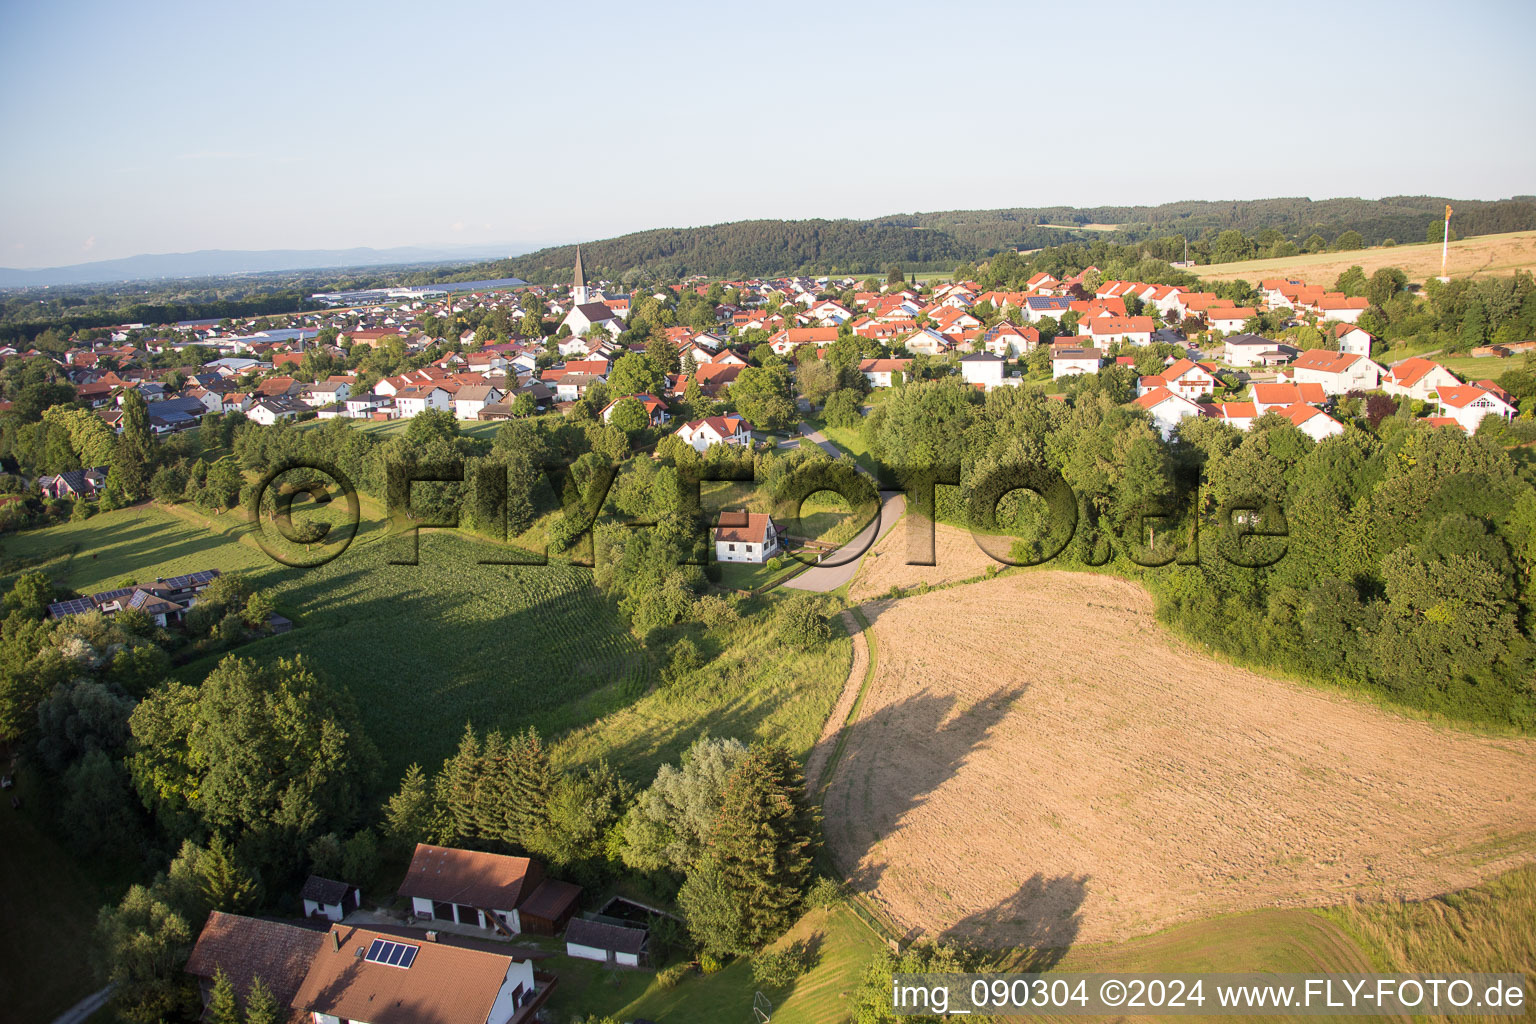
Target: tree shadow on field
(1039, 922)
(895, 760)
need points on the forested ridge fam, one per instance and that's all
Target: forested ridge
(769, 247)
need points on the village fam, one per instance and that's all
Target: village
(1193, 353)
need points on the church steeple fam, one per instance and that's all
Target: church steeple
(579, 285)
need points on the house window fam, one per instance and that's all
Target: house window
(730, 547)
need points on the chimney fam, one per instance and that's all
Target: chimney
(336, 940)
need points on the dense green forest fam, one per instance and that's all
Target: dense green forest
(768, 247)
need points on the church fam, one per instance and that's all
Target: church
(587, 314)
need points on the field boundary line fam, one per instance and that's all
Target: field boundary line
(852, 697)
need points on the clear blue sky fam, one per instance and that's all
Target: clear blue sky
(169, 127)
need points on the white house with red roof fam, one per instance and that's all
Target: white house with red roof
(1239, 414)
(1010, 341)
(1467, 404)
(744, 536)
(878, 371)
(1338, 372)
(1269, 395)
(1185, 378)
(928, 342)
(1315, 423)
(1230, 319)
(1167, 409)
(1418, 378)
(1340, 307)
(655, 409)
(1108, 330)
(700, 434)
(1354, 340)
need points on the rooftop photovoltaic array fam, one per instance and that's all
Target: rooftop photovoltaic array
(192, 580)
(394, 954)
(76, 606)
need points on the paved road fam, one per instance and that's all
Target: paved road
(85, 1007)
(825, 578)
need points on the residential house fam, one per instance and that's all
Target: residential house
(878, 371)
(1009, 340)
(414, 401)
(487, 890)
(1244, 350)
(74, 483)
(1167, 409)
(1038, 307)
(470, 399)
(1338, 372)
(1185, 378)
(1108, 330)
(700, 434)
(787, 341)
(1230, 319)
(268, 411)
(358, 974)
(1418, 378)
(1239, 414)
(655, 409)
(1315, 423)
(1354, 340)
(1467, 404)
(593, 316)
(163, 601)
(744, 536)
(325, 393)
(1067, 361)
(1337, 306)
(928, 342)
(983, 369)
(1269, 395)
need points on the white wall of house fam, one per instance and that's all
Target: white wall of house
(1068, 367)
(332, 911)
(737, 551)
(519, 979)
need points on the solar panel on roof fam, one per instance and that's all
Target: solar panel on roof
(108, 596)
(393, 954)
(74, 606)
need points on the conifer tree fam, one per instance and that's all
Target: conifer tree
(223, 1006)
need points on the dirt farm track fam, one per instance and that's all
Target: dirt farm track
(1038, 762)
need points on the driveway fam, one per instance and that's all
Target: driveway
(822, 579)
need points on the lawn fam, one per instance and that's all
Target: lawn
(844, 948)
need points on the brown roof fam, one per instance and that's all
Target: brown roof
(489, 881)
(248, 948)
(443, 985)
(552, 900)
(742, 527)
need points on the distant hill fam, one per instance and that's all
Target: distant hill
(221, 262)
(771, 247)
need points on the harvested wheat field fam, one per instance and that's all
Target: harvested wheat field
(1038, 762)
(956, 556)
(1481, 254)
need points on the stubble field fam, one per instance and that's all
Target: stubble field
(1483, 254)
(1039, 763)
